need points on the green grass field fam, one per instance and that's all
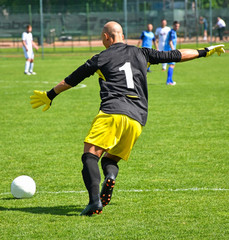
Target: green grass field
(175, 184)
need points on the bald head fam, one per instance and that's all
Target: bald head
(112, 33)
(113, 29)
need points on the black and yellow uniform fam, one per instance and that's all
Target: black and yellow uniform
(122, 73)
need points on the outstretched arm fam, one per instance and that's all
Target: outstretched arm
(189, 54)
(45, 98)
(181, 55)
(62, 86)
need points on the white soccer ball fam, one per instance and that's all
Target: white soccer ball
(23, 187)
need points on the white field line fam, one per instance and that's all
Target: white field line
(30, 81)
(136, 190)
(39, 82)
(17, 81)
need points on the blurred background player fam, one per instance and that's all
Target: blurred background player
(170, 44)
(161, 34)
(220, 25)
(205, 24)
(147, 39)
(28, 44)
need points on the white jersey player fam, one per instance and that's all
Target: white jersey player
(161, 34)
(28, 44)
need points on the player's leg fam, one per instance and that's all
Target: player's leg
(31, 67)
(170, 74)
(29, 58)
(220, 33)
(205, 31)
(110, 171)
(205, 35)
(148, 67)
(32, 64)
(115, 134)
(127, 132)
(91, 177)
(109, 165)
(27, 62)
(164, 65)
(100, 137)
(161, 48)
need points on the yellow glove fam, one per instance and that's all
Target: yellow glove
(211, 50)
(40, 98)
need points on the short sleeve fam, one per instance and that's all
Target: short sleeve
(170, 36)
(142, 35)
(23, 36)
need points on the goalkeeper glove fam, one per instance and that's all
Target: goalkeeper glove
(208, 51)
(42, 98)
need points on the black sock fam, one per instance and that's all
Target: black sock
(91, 175)
(110, 167)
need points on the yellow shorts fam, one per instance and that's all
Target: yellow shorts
(116, 133)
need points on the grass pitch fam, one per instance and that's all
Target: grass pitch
(175, 184)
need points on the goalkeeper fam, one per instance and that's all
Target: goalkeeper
(122, 71)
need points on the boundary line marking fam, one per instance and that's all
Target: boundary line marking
(136, 190)
(80, 85)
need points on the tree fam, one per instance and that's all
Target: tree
(215, 3)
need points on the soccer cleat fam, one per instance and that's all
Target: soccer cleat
(93, 208)
(27, 73)
(107, 190)
(32, 73)
(171, 83)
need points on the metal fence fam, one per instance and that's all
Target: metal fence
(83, 21)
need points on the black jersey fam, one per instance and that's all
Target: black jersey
(122, 73)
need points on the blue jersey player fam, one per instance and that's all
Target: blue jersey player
(170, 44)
(147, 39)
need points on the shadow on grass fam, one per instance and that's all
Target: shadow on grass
(56, 210)
(9, 198)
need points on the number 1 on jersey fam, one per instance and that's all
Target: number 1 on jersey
(128, 73)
